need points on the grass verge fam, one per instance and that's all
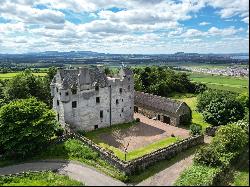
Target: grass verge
(38, 179)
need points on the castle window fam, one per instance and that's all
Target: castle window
(56, 89)
(97, 99)
(128, 87)
(101, 114)
(128, 78)
(96, 88)
(74, 104)
(57, 103)
(122, 109)
(66, 93)
(60, 93)
(120, 90)
(122, 100)
(117, 101)
(73, 90)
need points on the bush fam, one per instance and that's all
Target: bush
(137, 120)
(26, 125)
(228, 143)
(197, 175)
(195, 129)
(243, 124)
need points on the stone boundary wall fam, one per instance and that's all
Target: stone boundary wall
(143, 162)
(210, 131)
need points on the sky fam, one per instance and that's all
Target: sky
(124, 26)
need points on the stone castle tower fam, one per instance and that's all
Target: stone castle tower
(86, 99)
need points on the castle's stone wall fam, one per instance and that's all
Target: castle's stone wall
(117, 94)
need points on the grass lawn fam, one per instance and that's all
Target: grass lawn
(197, 117)
(38, 179)
(141, 151)
(220, 82)
(11, 75)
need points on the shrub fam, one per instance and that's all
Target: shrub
(197, 175)
(230, 138)
(195, 129)
(243, 124)
(137, 120)
(25, 126)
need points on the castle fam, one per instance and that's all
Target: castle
(86, 99)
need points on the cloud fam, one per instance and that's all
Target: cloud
(204, 23)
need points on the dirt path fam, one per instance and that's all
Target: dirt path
(75, 170)
(168, 176)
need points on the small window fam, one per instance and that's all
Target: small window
(66, 93)
(74, 104)
(97, 99)
(101, 114)
(60, 93)
(120, 90)
(117, 101)
(128, 78)
(96, 127)
(57, 103)
(122, 100)
(122, 109)
(96, 88)
(128, 87)
(73, 90)
(56, 89)
(58, 117)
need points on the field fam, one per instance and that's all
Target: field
(221, 82)
(11, 75)
(38, 179)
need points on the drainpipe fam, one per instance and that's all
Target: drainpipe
(110, 112)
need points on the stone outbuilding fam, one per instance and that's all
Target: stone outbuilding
(161, 108)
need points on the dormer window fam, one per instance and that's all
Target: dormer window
(74, 90)
(96, 88)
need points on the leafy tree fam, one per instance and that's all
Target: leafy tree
(25, 85)
(25, 126)
(51, 72)
(223, 111)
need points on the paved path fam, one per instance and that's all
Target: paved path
(81, 172)
(168, 176)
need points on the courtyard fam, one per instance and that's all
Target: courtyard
(139, 138)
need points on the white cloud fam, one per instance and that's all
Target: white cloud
(204, 23)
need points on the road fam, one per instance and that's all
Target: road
(75, 170)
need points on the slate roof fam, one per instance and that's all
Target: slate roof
(70, 77)
(157, 102)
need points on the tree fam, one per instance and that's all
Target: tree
(25, 85)
(123, 139)
(26, 125)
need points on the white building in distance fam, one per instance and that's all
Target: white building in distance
(86, 99)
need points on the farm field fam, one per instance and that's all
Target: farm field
(11, 75)
(38, 179)
(221, 82)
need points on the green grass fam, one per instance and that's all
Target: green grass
(234, 84)
(11, 75)
(197, 117)
(197, 175)
(38, 179)
(141, 151)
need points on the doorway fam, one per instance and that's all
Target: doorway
(159, 117)
(166, 119)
